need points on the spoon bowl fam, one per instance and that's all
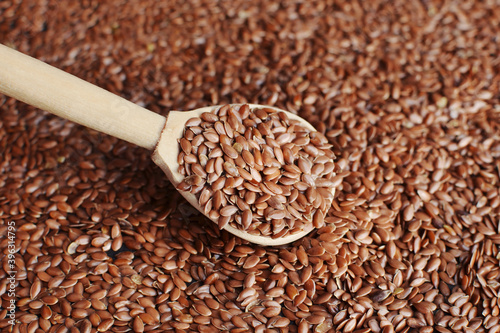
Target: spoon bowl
(165, 156)
(48, 88)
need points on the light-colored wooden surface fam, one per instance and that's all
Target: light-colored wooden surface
(48, 88)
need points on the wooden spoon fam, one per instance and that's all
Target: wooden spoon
(48, 88)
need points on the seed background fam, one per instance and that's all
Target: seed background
(406, 91)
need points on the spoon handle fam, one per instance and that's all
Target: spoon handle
(48, 88)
